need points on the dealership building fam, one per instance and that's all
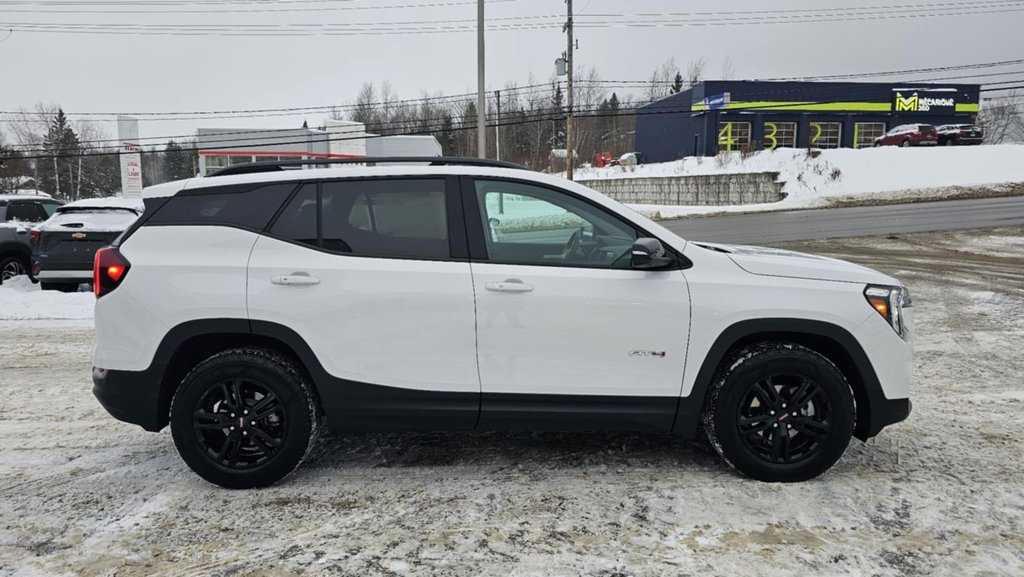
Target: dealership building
(741, 115)
(222, 147)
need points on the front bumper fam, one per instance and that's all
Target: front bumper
(130, 396)
(884, 412)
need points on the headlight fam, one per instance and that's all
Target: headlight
(889, 302)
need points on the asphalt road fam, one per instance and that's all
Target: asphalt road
(769, 227)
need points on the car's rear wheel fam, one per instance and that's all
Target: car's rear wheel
(244, 418)
(949, 142)
(780, 412)
(11, 267)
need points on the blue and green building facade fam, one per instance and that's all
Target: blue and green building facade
(742, 115)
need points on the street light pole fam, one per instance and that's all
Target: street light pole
(481, 104)
(568, 115)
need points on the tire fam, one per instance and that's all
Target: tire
(905, 143)
(225, 447)
(811, 442)
(949, 142)
(12, 266)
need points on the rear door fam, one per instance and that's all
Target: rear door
(569, 335)
(373, 275)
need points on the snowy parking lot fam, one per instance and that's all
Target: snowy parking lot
(941, 494)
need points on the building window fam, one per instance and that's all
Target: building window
(779, 135)
(826, 134)
(239, 159)
(865, 133)
(733, 135)
(216, 161)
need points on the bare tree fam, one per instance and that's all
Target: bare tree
(364, 109)
(659, 86)
(728, 68)
(695, 71)
(1001, 119)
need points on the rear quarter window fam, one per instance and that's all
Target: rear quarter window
(250, 208)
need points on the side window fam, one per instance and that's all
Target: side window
(404, 218)
(25, 212)
(250, 209)
(298, 220)
(50, 208)
(527, 224)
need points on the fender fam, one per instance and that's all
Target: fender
(17, 248)
(831, 340)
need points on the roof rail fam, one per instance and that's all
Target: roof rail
(276, 165)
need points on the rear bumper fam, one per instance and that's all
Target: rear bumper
(65, 275)
(130, 396)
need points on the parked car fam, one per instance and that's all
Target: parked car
(909, 135)
(954, 134)
(18, 213)
(64, 246)
(249, 310)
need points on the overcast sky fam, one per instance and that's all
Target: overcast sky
(104, 73)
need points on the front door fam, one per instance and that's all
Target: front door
(569, 335)
(368, 274)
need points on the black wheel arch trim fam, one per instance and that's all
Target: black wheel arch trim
(17, 249)
(874, 410)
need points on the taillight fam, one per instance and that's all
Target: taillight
(108, 270)
(33, 236)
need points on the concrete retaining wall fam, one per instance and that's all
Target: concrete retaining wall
(702, 190)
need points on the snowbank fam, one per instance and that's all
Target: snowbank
(22, 300)
(842, 172)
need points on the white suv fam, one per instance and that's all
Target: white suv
(247, 309)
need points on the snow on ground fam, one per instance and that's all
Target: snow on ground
(887, 172)
(22, 300)
(939, 495)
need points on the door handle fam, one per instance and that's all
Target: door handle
(510, 285)
(295, 279)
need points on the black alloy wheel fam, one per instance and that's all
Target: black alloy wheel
(240, 423)
(784, 418)
(244, 417)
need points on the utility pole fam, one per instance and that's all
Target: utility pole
(568, 115)
(497, 127)
(481, 104)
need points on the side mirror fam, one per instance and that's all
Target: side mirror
(648, 253)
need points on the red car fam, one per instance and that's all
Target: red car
(909, 135)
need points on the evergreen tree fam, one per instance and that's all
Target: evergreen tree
(557, 118)
(677, 84)
(448, 137)
(60, 173)
(177, 162)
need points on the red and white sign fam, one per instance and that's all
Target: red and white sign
(131, 159)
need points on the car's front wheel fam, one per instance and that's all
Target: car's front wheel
(244, 418)
(780, 412)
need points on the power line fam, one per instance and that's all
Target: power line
(248, 10)
(526, 22)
